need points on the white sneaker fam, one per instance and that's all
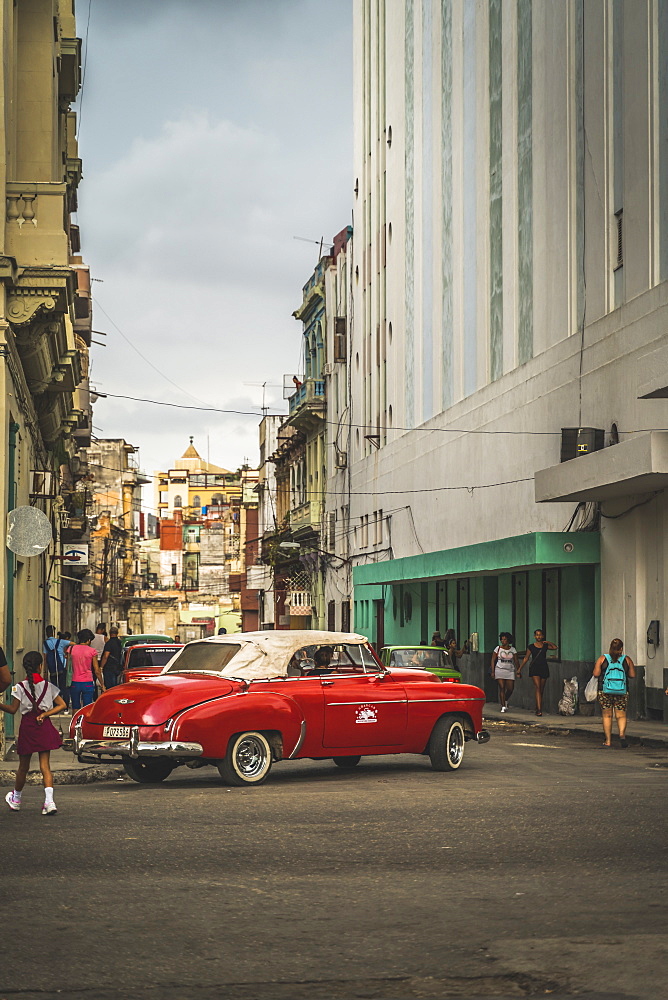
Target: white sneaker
(49, 809)
(503, 708)
(11, 802)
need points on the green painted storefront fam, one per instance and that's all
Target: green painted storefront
(544, 580)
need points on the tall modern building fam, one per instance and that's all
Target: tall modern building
(507, 337)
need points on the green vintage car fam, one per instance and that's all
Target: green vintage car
(431, 658)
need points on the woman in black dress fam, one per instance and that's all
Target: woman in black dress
(538, 668)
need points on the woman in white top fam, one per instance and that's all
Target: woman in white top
(36, 699)
(504, 664)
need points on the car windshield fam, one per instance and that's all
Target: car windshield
(420, 656)
(150, 657)
(207, 656)
(335, 659)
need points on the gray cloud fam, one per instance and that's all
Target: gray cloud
(226, 133)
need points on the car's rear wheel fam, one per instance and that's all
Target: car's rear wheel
(446, 744)
(148, 771)
(247, 761)
(346, 761)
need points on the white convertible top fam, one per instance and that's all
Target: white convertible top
(267, 654)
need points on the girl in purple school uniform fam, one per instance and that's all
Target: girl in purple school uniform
(35, 699)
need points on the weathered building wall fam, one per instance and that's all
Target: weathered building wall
(511, 225)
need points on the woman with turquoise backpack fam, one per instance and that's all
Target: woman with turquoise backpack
(613, 670)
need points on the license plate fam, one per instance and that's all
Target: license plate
(118, 731)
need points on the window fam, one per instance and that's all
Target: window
(177, 501)
(198, 656)
(173, 569)
(197, 502)
(330, 524)
(331, 616)
(619, 232)
(345, 616)
(340, 345)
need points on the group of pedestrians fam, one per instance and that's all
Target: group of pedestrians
(506, 667)
(448, 642)
(613, 670)
(80, 668)
(73, 672)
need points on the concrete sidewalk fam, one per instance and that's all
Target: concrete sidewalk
(637, 730)
(66, 768)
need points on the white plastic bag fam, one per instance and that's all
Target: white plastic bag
(591, 690)
(569, 699)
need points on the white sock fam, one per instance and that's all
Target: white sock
(16, 796)
(48, 795)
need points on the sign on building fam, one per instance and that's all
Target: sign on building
(76, 554)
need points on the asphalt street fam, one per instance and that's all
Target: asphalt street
(539, 869)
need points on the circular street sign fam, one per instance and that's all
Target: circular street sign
(28, 531)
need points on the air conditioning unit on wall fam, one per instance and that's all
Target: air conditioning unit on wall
(577, 441)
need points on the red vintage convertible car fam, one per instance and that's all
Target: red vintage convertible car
(241, 702)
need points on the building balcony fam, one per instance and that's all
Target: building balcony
(191, 547)
(633, 468)
(307, 516)
(310, 395)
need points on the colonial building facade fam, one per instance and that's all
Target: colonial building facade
(45, 320)
(296, 547)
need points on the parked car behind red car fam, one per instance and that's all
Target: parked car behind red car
(242, 702)
(146, 660)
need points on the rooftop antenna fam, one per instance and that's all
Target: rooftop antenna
(320, 243)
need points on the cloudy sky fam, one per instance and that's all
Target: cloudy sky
(212, 133)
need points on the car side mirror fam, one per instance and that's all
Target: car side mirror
(384, 672)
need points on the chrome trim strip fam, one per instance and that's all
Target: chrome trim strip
(415, 701)
(134, 747)
(302, 734)
(371, 701)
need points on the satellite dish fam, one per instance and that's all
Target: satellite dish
(28, 531)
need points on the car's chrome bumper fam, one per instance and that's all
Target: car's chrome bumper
(482, 736)
(134, 747)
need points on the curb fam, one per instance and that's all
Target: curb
(652, 742)
(80, 777)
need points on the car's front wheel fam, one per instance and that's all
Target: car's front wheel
(148, 771)
(247, 761)
(446, 745)
(346, 762)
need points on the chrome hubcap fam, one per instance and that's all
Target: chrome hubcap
(251, 757)
(455, 745)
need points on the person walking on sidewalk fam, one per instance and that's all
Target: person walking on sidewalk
(110, 663)
(99, 639)
(54, 652)
(538, 668)
(505, 662)
(613, 670)
(85, 668)
(36, 699)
